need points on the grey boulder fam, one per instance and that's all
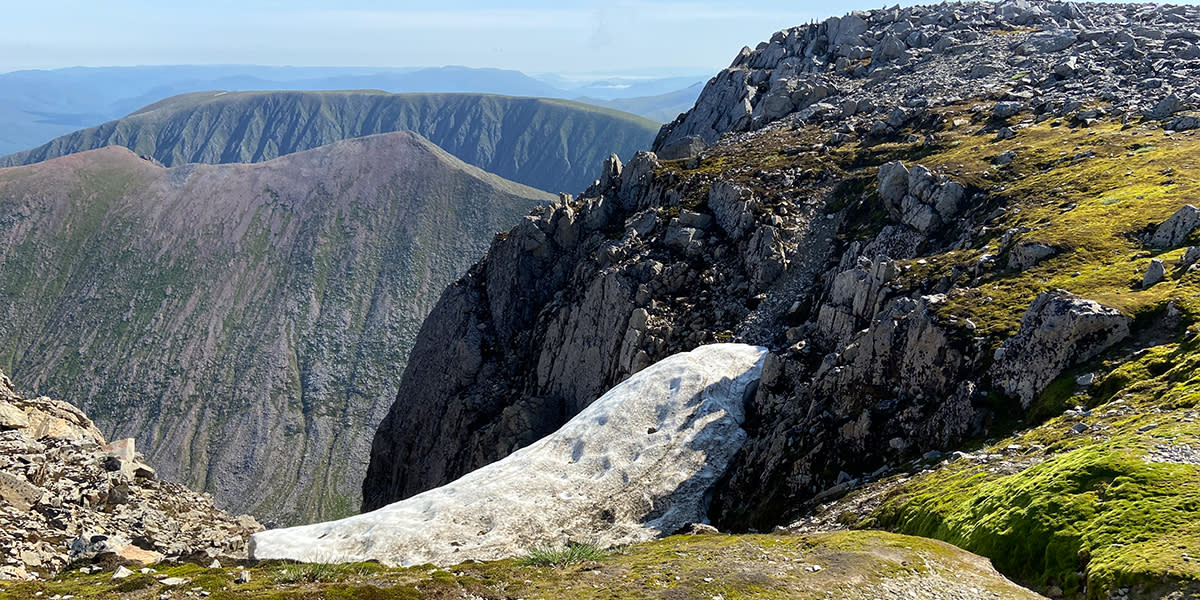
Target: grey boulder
(1058, 330)
(1176, 228)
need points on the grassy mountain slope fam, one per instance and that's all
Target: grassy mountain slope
(246, 323)
(553, 145)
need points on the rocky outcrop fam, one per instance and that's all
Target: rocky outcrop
(894, 61)
(1058, 330)
(636, 464)
(904, 384)
(66, 494)
(247, 323)
(855, 296)
(918, 198)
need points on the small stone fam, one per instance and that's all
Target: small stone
(121, 573)
(1154, 273)
(243, 576)
(1004, 110)
(1086, 379)
(173, 581)
(1145, 428)
(700, 529)
(1080, 428)
(215, 564)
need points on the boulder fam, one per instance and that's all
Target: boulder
(1057, 331)
(893, 183)
(679, 237)
(1184, 123)
(1176, 228)
(732, 206)
(58, 420)
(18, 492)
(635, 465)
(1004, 110)
(1166, 107)
(1043, 42)
(687, 147)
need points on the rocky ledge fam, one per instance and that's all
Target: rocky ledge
(68, 495)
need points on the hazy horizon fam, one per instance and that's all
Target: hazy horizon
(532, 36)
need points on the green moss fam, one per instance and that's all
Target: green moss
(1086, 509)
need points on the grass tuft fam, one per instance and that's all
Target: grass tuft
(560, 557)
(322, 572)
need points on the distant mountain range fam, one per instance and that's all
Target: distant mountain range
(554, 145)
(36, 106)
(247, 323)
(662, 108)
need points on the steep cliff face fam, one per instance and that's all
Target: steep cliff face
(936, 218)
(246, 323)
(572, 301)
(552, 145)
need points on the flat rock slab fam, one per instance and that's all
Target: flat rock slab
(635, 465)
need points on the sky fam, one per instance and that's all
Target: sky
(535, 36)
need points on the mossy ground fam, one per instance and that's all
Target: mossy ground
(845, 564)
(1089, 512)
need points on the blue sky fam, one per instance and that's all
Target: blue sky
(532, 35)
